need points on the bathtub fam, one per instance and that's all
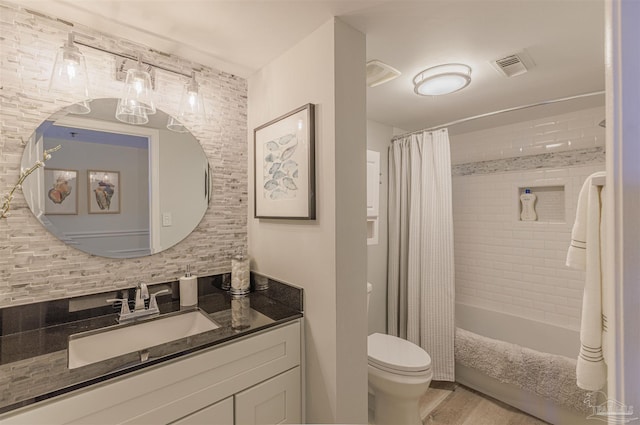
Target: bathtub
(534, 335)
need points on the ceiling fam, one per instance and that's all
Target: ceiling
(564, 38)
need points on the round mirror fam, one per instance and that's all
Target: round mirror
(116, 190)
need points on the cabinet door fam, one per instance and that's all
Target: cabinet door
(275, 401)
(220, 413)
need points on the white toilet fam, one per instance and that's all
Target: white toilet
(399, 374)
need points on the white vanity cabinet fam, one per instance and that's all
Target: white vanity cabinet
(276, 401)
(220, 413)
(254, 379)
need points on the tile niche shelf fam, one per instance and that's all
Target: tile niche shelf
(550, 203)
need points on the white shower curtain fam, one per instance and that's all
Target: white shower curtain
(421, 292)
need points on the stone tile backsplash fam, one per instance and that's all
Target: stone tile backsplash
(570, 158)
(36, 266)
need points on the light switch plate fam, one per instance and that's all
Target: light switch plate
(166, 219)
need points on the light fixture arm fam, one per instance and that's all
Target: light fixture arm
(193, 84)
(135, 58)
(70, 38)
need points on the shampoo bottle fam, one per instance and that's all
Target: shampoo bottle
(188, 289)
(528, 200)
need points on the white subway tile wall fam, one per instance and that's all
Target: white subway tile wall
(575, 130)
(34, 265)
(507, 265)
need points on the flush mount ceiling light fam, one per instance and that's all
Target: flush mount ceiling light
(69, 77)
(442, 79)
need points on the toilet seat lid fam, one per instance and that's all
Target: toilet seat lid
(391, 352)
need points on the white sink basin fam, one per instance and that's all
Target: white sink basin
(95, 346)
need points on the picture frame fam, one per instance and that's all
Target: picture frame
(284, 166)
(61, 191)
(104, 189)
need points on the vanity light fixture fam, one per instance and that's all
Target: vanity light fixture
(69, 77)
(136, 102)
(442, 79)
(191, 108)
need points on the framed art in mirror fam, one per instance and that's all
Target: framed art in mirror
(62, 191)
(104, 191)
(284, 166)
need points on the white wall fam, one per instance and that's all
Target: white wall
(327, 256)
(379, 139)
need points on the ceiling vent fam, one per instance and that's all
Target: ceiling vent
(380, 73)
(512, 65)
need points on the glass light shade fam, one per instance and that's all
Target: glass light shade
(191, 108)
(174, 124)
(136, 102)
(131, 113)
(69, 77)
(442, 79)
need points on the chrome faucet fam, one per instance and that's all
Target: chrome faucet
(140, 310)
(142, 293)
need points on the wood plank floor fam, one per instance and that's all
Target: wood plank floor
(448, 403)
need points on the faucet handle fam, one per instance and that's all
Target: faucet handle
(153, 304)
(124, 304)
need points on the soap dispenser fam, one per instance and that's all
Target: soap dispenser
(188, 289)
(528, 200)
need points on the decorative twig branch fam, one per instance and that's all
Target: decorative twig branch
(4, 211)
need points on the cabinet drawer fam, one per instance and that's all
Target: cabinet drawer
(220, 413)
(172, 390)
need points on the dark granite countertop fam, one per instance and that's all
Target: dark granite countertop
(33, 339)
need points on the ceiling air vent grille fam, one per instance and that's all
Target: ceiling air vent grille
(380, 73)
(512, 65)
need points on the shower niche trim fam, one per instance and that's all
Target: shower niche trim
(551, 201)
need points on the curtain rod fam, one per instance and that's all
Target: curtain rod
(502, 111)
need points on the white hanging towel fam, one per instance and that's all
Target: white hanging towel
(585, 254)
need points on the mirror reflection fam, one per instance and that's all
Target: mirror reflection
(113, 189)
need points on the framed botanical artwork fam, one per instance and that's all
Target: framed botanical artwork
(104, 191)
(284, 166)
(61, 191)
